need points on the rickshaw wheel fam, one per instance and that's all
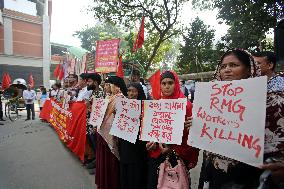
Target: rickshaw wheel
(12, 111)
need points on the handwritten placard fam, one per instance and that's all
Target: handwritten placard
(107, 56)
(99, 107)
(127, 119)
(229, 119)
(163, 120)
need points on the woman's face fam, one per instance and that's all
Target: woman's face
(114, 89)
(167, 86)
(233, 69)
(132, 93)
(107, 88)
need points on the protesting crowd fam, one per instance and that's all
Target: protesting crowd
(118, 163)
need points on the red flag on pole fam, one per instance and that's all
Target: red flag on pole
(119, 72)
(139, 38)
(5, 81)
(61, 74)
(56, 71)
(31, 80)
(156, 85)
(9, 78)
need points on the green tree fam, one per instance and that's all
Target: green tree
(249, 20)
(197, 54)
(161, 19)
(103, 31)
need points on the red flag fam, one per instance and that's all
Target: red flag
(156, 85)
(119, 72)
(31, 80)
(139, 38)
(9, 78)
(61, 74)
(5, 81)
(56, 71)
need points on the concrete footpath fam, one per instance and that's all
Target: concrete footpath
(33, 157)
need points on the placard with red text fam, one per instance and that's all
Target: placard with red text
(99, 107)
(126, 122)
(163, 120)
(229, 119)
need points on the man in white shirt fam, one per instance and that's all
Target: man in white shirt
(29, 96)
(84, 93)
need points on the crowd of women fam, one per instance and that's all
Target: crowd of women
(117, 163)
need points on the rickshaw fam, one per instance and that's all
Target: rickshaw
(14, 100)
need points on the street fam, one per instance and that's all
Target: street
(33, 157)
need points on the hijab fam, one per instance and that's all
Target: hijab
(177, 92)
(138, 86)
(254, 69)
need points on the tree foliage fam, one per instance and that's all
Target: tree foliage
(249, 20)
(104, 31)
(197, 54)
(161, 19)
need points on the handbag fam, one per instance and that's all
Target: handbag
(173, 176)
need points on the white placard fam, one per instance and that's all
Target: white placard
(127, 119)
(229, 119)
(163, 120)
(99, 107)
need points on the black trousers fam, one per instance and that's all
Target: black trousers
(30, 108)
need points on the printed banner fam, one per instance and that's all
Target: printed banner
(107, 56)
(163, 120)
(127, 119)
(229, 119)
(99, 107)
(70, 124)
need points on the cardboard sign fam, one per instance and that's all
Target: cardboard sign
(229, 119)
(163, 120)
(99, 107)
(107, 56)
(127, 119)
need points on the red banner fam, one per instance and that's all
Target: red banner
(69, 124)
(107, 56)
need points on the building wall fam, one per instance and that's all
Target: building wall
(27, 39)
(1, 39)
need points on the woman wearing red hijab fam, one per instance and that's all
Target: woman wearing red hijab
(170, 89)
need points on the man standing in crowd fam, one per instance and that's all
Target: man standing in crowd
(267, 63)
(83, 94)
(135, 78)
(274, 106)
(93, 84)
(183, 88)
(29, 96)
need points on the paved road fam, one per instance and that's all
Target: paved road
(32, 157)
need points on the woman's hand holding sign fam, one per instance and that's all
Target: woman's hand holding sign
(188, 122)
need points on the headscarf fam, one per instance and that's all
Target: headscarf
(186, 152)
(119, 82)
(254, 69)
(177, 92)
(138, 86)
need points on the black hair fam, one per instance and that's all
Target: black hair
(167, 74)
(243, 56)
(136, 72)
(270, 56)
(138, 86)
(119, 82)
(43, 90)
(142, 81)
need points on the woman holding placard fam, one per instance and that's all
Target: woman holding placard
(133, 156)
(107, 156)
(170, 89)
(218, 171)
